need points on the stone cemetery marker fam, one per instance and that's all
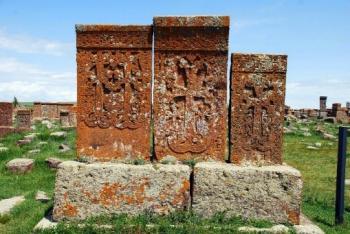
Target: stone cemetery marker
(5, 118)
(65, 118)
(323, 103)
(6, 114)
(257, 99)
(114, 91)
(190, 87)
(24, 119)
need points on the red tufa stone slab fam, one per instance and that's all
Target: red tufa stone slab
(49, 110)
(6, 113)
(23, 119)
(190, 114)
(257, 99)
(114, 91)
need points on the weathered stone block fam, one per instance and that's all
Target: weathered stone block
(267, 192)
(20, 165)
(190, 114)
(6, 113)
(114, 91)
(257, 112)
(85, 190)
(23, 119)
(65, 118)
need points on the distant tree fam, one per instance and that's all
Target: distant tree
(15, 102)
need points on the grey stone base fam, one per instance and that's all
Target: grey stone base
(85, 190)
(268, 192)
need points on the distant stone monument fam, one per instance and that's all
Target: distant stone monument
(6, 122)
(65, 118)
(348, 105)
(114, 91)
(323, 107)
(23, 119)
(190, 87)
(257, 99)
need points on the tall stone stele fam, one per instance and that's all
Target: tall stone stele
(23, 119)
(190, 64)
(6, 122)
(257, 111)
(114, 92)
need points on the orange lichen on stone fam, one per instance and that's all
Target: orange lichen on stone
(108, 194)
(69, 209)
(182, 195)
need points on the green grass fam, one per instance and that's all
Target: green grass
(318, 168)
(23, 217)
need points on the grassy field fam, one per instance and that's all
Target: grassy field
(318, 167)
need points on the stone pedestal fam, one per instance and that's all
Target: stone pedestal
(85, 190)
(267, 192)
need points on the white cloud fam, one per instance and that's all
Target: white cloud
(30, 83)
(307, 93)
(26, 44)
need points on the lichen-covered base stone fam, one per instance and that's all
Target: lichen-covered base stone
(85, 190)
(267, 192)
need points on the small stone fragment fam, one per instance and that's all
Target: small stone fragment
(23, 142)
(34, 151)
(307, 227)
(7, 204)
(48, 123)
(311, 147)
(30, 137)
(169, 160)
(318, 144)
(53, 162)
(277, 229)
(41, 143)
(3, 149)
(307, 134)
(60, 134)
(45, 223)
(328, 136)
(63, 148)
(41, 196)
(20, 165)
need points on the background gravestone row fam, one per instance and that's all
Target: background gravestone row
(189, 106)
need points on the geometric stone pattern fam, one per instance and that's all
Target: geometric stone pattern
(23, 119)
(85, 190)
(257, 108)
(190, 67)
(114, 91)
(267, 192)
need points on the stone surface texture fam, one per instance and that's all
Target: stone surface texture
(257, 108)
(84, 190)
(307, 227)
(23, 119)
(276, 229)
(7, 204)
(53, 162)
(44, 224)
(20, 165)
(5, 118)
(190, 115)
(114, 92)
(267, 192)
(49, 110)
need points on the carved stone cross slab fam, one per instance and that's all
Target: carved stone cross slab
(257, 112)
(114, 91)
(190, 87)
(24, 119)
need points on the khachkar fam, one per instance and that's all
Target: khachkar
(23, 119)
(6, 122)
(257, 108)
(114, 91)
(190, 114)
(255, 185)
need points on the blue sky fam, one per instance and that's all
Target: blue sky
(37, 41)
